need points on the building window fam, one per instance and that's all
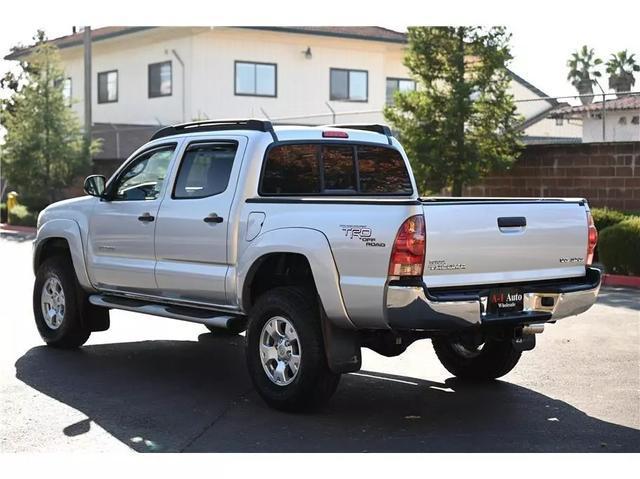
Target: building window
(349, 85)
(256, 79)
(398, 84)
(108, 86)
(160, 79)
(635, 120)
(65, 85)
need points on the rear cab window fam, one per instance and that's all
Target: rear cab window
(334, 169)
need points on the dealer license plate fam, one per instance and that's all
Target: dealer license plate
(505, 301)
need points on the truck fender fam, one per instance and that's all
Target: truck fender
(68, 230)
(313, 245)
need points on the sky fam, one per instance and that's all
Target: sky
(540, 51)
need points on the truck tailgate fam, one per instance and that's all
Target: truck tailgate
(488, 242)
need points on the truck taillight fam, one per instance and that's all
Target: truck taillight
(407, 255)
(593, 239)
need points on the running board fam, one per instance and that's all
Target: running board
(193, 315)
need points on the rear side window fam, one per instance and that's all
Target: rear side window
(382, 171)
(205, 170)
(338, 165)
(292, 169)
(320, 168)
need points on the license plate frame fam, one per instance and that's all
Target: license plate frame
(505, 301)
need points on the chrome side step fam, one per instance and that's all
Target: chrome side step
(193, 315)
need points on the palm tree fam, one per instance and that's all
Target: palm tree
(582, 72)
(620, 68)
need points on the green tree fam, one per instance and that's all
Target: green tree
(583, 72)
(44, 148)
(461, 122)
(621, 67)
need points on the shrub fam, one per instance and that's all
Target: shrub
(604, 217)
(619, 247)
(21, 216)
(3, 213)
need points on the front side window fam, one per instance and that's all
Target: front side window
(398, 84)
(349, 85)
(108, 87)
(160, 79)
(255, 79)
(205, 170)
(311, 169)
(144, 177)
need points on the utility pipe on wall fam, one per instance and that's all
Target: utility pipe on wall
(184, 114)
(87, 84)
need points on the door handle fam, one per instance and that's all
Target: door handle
(213, 218)
(512, 222)
(146, 217)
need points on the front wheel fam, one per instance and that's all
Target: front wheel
(285, 351)
(56, 307)
(489, 360)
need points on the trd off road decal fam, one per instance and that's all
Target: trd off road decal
(362, 233)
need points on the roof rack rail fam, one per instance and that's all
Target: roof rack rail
(374, 127)
(216, 125)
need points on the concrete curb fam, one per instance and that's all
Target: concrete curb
(21, 229)
(620, 280)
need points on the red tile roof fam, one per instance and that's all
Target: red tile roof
(77, 38)
(364, 33)
(628, 102)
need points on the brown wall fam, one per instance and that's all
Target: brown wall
(606, 174)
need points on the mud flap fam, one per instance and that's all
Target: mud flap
(94, 317)
(342, 347)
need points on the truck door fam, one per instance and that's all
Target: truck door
(121, 229)
(194, 222)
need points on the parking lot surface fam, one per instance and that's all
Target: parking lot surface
(157, 385)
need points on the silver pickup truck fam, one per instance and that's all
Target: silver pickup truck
(314, 240)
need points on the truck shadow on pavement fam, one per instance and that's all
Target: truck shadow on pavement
(196, 396)
(619, 297)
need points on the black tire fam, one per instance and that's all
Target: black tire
(495, 359)
(72, 332)
(314, 383)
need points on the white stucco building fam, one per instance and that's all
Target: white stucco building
(304, 75)
(621, 119)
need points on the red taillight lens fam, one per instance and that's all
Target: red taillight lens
(407, 255)
(593, 239)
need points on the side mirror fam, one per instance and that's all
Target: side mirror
(94, 185)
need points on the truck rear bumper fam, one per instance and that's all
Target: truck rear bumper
(417, 308)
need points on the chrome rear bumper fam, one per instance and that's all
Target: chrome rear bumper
(415, 308)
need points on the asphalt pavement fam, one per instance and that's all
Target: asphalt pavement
(156, 385)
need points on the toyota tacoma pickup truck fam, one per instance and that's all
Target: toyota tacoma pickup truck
(315, 241)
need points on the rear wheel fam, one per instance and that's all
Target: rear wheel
(285, 351)
(489, 360)
(56, 308)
